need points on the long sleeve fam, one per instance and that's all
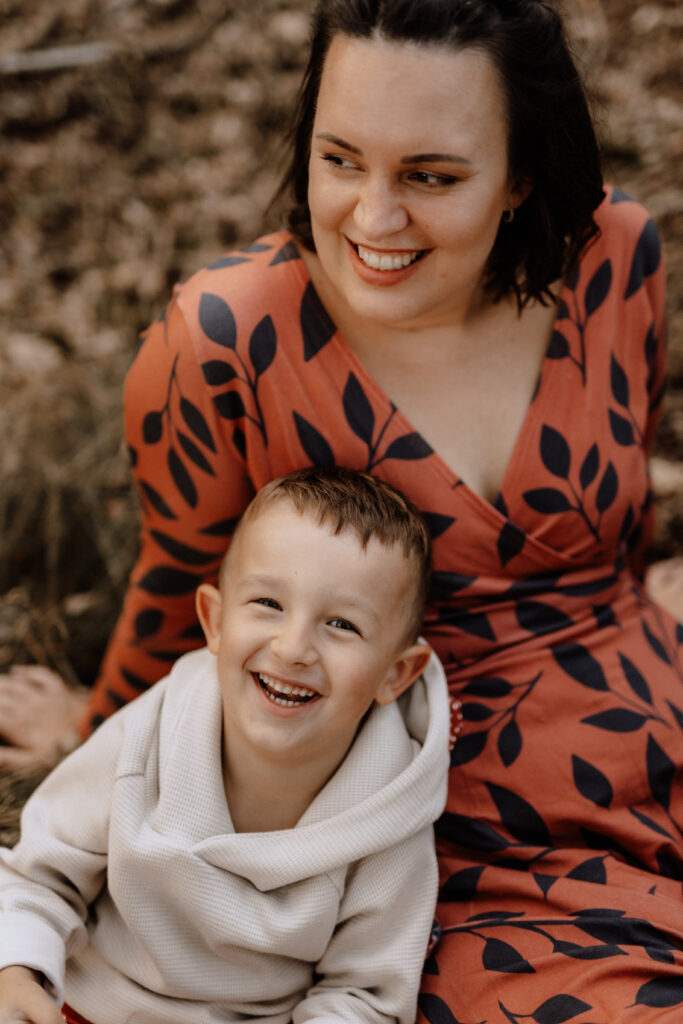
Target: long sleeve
(193, 486)
(56, 871)
(372, 967)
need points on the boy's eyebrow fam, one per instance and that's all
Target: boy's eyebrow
(413, 158)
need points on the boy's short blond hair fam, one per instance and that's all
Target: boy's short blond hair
(347, 499)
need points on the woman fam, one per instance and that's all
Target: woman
(460, 309)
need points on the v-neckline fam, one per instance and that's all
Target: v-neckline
(490, 508)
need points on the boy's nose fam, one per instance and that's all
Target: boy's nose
(293, 644)
(378, 212)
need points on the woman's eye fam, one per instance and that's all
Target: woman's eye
(432, 180)
(339, 161)
(344, 624)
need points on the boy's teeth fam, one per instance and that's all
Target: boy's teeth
(384, 261)
(290, 694)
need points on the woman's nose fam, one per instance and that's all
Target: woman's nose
(294, 643)
(379, 212)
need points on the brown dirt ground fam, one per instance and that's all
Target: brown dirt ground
(120, 176)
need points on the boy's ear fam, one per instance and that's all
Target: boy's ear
(209, 605)
(408, 666)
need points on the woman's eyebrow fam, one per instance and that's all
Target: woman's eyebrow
(336, 141)
(434, 158)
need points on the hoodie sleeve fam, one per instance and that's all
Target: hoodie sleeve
(49, 880)
(370, 973)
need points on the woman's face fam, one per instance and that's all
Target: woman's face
(408, 178)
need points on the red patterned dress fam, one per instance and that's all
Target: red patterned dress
(561, 849)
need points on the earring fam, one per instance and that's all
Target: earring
(508, 216)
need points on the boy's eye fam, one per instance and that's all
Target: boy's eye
(268, 602)
(344, 624)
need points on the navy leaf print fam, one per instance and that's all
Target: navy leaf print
(473, 711)
(410, 446)
(559, 1009)
(677, 713)
(193, 453)
(182, 478)
(547, 500)
(580, 664)
(510, 743)
(622, 431)
(591, 783)
(313, 443)
(316, 326)
(511, 540)
(591, 870)
(217, 320)
(616, 720)
(661, 992)
(598, 287)
(152, 427)
(576, 952)
(490, 687)
(262, 345)
(223, 528)
(148, 623)
(555, 453)
(474, 623)
(462, 886)
(518, 816)
(240, 441)
(435, 1010)
(169, 582)
(156, 501)
(217, 371)
(644, 819)
(437, 524)
(182, 552)
(539, 618)
(607, 491)
(544, 882)
(558, 347)
(656, 645)
(635, 679)
(646, 258)
(589, 467)
(230, 405)
(288, 252)
(468, 747)
(194, 419)
(358, 411)
(502, 957)
(679, 632)
(472, 832)
(256, 247)
(660, 772)
(619, 382)
(446, 583)
(226, 261)
(627, 525)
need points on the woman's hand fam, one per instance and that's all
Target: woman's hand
(39, 718)
(23, 1000)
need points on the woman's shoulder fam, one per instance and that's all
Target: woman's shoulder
(623, 220)
(260, 279)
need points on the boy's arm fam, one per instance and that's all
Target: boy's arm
(23, 998)
(55, 872)
(370, 972)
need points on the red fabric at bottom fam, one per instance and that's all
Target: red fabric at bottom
(72, 1017)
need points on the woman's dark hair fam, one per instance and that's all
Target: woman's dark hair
(551, 140)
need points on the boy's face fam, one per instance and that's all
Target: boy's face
(309, 630)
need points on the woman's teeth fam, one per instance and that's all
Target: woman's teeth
(284, 694)
(385, 261)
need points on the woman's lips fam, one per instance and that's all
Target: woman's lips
(384, 267)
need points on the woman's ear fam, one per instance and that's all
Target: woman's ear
(209, 605)
(410, 663)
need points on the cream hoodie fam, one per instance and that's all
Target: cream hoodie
(129, 869)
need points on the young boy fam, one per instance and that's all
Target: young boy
(251, 839)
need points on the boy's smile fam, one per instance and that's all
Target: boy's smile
(309, 629)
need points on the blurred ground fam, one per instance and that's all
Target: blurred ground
(139, 139)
